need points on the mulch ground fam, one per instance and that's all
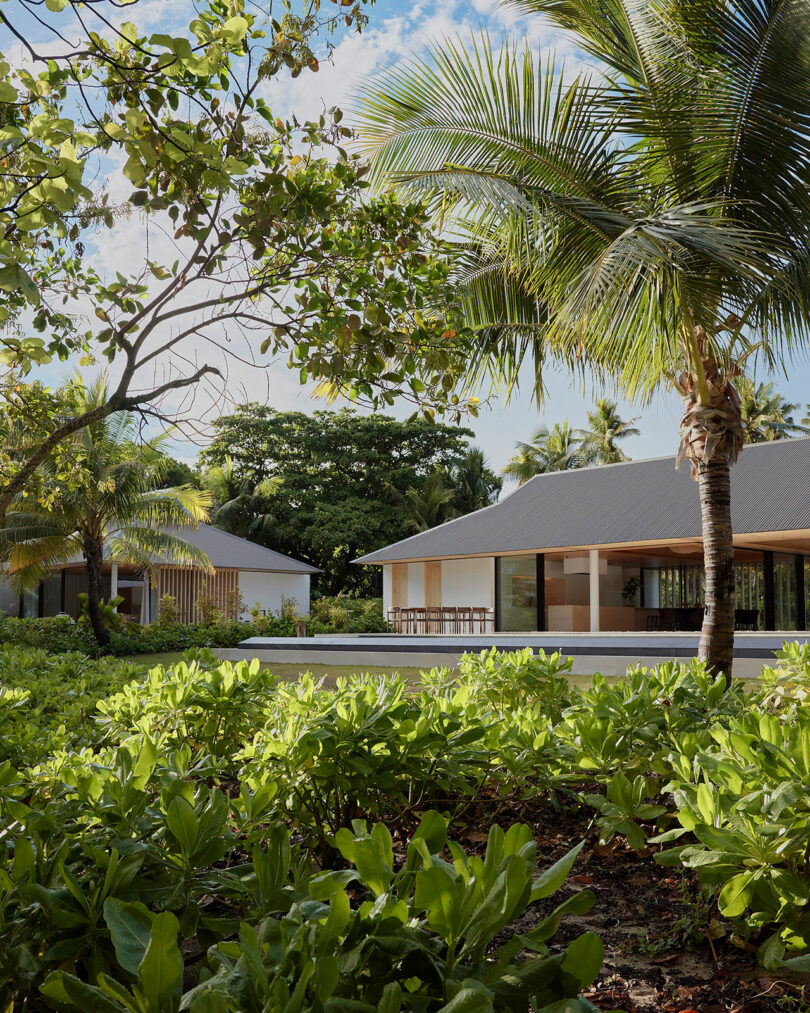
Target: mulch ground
(654, 923)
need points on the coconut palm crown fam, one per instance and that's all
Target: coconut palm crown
(651, 220)
(557, 449)
(115, 512)
(605, 430)
(766, 414)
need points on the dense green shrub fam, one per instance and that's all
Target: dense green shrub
(62, 691)
(57, 635)
(61, 634)
(329, 614)
(158, 819)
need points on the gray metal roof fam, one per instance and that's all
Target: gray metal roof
(226, 550)
(640, 501)
(229, 551)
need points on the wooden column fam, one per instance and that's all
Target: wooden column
(62, 590)
(769, 619)
(594, 589)
(433, 583)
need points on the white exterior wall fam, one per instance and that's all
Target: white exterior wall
(267, 589)
(387, 587)
(464, 582)
(469, 581)
(416, 585)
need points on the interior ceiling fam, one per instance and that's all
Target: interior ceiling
(685, 553)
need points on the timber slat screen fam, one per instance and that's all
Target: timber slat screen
(186, 584)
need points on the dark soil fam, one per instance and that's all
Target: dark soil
(654, 923)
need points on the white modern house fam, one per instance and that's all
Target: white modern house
(260, 576)
(610, 548)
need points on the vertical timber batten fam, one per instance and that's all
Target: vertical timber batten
(801, 606)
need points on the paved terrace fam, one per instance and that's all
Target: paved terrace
(608, 653)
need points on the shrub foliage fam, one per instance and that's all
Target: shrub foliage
(210, 838)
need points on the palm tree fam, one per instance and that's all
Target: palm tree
(556, 449)
(600, 440)
(766, 415)
(240, 506)
(652, 222)
(475, 486)
(116, 508)
(430, 505)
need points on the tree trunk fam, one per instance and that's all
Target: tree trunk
(93, 558)
(711, 440)
(717, 634)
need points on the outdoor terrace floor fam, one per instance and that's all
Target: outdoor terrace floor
(609, 653)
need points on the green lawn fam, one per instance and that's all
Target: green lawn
(331, 672)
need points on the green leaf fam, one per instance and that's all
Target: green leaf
(8, 93)
(134, 170)
(469, 1000)
(584, 958)
(161, 972)
(234, 30)
(56, 5)
(736, 894)
(182, 823)
(130, 926)
(705, 803)
(66, 988)
(440, 897)
(432, 830)
(554, 877)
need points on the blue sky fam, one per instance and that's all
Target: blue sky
(397, 29)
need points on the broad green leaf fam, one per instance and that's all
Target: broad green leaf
(161, 972)
(182, 822)
(234, 30)
(440, 897)
(469, 1000)
(584, 958)
(68, 989)
(130, 926)
(736, 894)
(554, 877)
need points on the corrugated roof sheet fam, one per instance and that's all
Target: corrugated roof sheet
(226, 550)
(639, 501)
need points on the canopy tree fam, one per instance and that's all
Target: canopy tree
(275, 247)
(339, 480)
(651, 221)
(115, 510)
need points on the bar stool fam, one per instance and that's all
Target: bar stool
(464, 619)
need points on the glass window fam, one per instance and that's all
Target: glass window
(52, 595)
(517, 604)
(784, 591)
(30, 604)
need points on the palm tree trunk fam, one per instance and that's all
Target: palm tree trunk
(93, 553)
(711, 439)
(717, 634)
